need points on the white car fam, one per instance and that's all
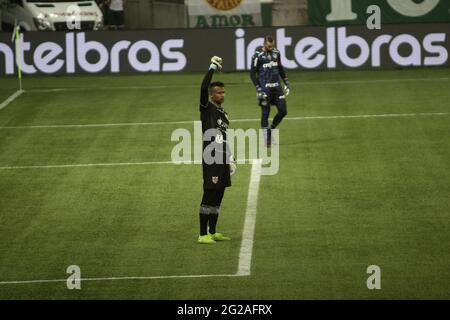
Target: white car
(51, 15)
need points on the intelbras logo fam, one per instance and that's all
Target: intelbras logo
(312, 52)
(51, 57)
(330, 48)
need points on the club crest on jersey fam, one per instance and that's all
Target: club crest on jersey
(215, 179)
(219, 122)
(275, 56)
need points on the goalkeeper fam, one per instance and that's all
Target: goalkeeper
(265, 73)
(216, 174)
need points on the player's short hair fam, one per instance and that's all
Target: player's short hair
(269, 39)
(216, 84)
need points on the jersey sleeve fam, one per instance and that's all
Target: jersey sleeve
(204, 88)
(281, 69)
(254, 69)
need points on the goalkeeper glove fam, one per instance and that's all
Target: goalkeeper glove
(261, 96)
(216, 63)
(287, 87)
(232, 165)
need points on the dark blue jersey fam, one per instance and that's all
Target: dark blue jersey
(266, 69)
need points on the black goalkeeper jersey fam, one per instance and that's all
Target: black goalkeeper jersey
(215, 123)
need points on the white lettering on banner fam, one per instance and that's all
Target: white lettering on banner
(50, 57)
(309, 52)
(328, 48)
(166, 50)
(240, 47)
(441, 54)
(306, 52)
(410, 8)
(70, 53)
(244, 62)
(282, 42)
(115, 54)
(9, 58)
(25, 46)
(83, 47)
(152, 64)
(344, 42)
(45, 54)
(342, 9)
(331, 48)
(376, 47)
(414, 58)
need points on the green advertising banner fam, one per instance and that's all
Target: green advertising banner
(344, 12)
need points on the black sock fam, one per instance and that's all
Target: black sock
(269, 133)
(204, 217)
(213, 217)
(204, 224)
(213, 222)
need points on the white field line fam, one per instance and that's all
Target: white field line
(158, 123)
(331, 82)
(119, 278)
(11, 98)
(245, 253)
(112, 164)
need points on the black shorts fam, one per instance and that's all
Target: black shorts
(213, 197)
(274, 95)
(216, 176)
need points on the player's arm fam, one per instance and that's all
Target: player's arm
(287, 86)
(254, 69)
(204, 88)
(215, 65)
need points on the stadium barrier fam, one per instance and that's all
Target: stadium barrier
(312, 48)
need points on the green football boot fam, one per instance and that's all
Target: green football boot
(219, 237)
(206, 239)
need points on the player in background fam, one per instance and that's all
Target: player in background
(266, 71)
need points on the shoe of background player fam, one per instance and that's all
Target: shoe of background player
(219, 237)
(206, 239)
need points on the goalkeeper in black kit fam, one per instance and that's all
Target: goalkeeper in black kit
(217, 162)
(266, 71)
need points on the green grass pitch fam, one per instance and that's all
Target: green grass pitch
(351, 191)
